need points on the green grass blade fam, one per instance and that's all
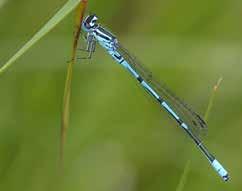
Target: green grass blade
(183, 178)
(211, 99)
(59, 16)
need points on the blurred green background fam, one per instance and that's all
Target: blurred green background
(118, 137)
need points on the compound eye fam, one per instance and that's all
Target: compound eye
(87, 25)
(89, 19)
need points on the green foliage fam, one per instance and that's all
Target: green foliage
(58, 17)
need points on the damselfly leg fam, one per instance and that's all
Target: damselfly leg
(90, 46)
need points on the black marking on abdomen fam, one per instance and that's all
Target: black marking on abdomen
(118, 57)
(140, 79)
(121, 61)
(179, 121)
(160, 100)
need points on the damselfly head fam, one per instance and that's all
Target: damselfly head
(90, 23)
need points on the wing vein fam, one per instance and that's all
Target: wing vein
(195, 122)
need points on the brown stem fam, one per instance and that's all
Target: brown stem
(67, 91)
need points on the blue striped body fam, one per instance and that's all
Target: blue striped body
(110, 45)
(109, 42)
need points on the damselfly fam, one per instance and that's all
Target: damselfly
(186, 118)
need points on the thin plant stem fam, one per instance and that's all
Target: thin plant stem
(212, 97)
(184, 176)
(67, 91)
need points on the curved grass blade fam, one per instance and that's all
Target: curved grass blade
(67, 92)
(59, 16)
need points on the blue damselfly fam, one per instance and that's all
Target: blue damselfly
(186, 118)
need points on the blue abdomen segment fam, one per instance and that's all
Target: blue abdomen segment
(150, 90)
(116, 56)
(120, 59)
(165, 105)
(220, 170)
